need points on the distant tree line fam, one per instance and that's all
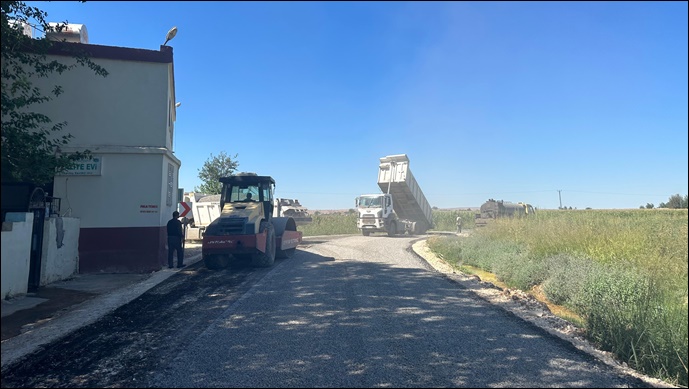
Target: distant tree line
(675, 202)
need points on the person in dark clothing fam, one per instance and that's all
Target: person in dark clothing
(175, 234)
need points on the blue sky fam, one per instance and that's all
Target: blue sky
(541, 102)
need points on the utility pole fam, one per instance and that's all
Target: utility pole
(559, 193)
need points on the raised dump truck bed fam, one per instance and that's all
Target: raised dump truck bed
(409, 202)
(401, 208)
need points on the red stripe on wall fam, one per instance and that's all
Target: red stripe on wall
(122, 250)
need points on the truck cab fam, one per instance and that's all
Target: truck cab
(376, 214)
(373, 210)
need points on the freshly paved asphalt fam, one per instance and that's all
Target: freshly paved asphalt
(33, 320)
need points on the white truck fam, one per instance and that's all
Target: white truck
(402, 207)
(206, 208)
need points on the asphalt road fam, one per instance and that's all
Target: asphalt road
(342, 312)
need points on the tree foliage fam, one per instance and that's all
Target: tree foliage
(215, 167)
(30, 140)
(676, 202)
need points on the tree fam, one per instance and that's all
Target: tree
(676, 202)
(30, 141)
(214, 168)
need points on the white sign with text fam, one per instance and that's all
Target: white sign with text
(85, 167)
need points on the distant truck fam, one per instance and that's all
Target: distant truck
(402, 207)
(206, 208)
(493, 209)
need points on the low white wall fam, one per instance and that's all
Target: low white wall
(16, 253)
(60, 254)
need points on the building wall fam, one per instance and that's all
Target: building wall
(123, 211)
(60, 257)
(16, 254)
(129, 107)
(127, 121)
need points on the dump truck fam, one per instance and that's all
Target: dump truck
(206, 208)
(494, 209)
(203, 210)
(402, 207)
(246, 227)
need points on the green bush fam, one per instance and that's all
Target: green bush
(566, 277)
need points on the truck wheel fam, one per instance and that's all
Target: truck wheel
(215, 262)
(365, 233)
(393, 229)
(266, 259)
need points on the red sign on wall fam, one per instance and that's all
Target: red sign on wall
(148, 208)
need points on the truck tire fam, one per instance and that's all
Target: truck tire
(216, 261)
(393, 229)
(266, 259)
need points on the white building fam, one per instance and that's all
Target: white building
(127, 193)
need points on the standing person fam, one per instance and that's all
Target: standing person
(459, 224)
(175, 234)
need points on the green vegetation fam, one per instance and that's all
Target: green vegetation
(213, 169)
(623, 272)
(331, 224)
(345, 222)
(446, 220)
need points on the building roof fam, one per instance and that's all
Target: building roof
(164, 55)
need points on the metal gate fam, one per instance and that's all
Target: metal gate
(37, 205)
